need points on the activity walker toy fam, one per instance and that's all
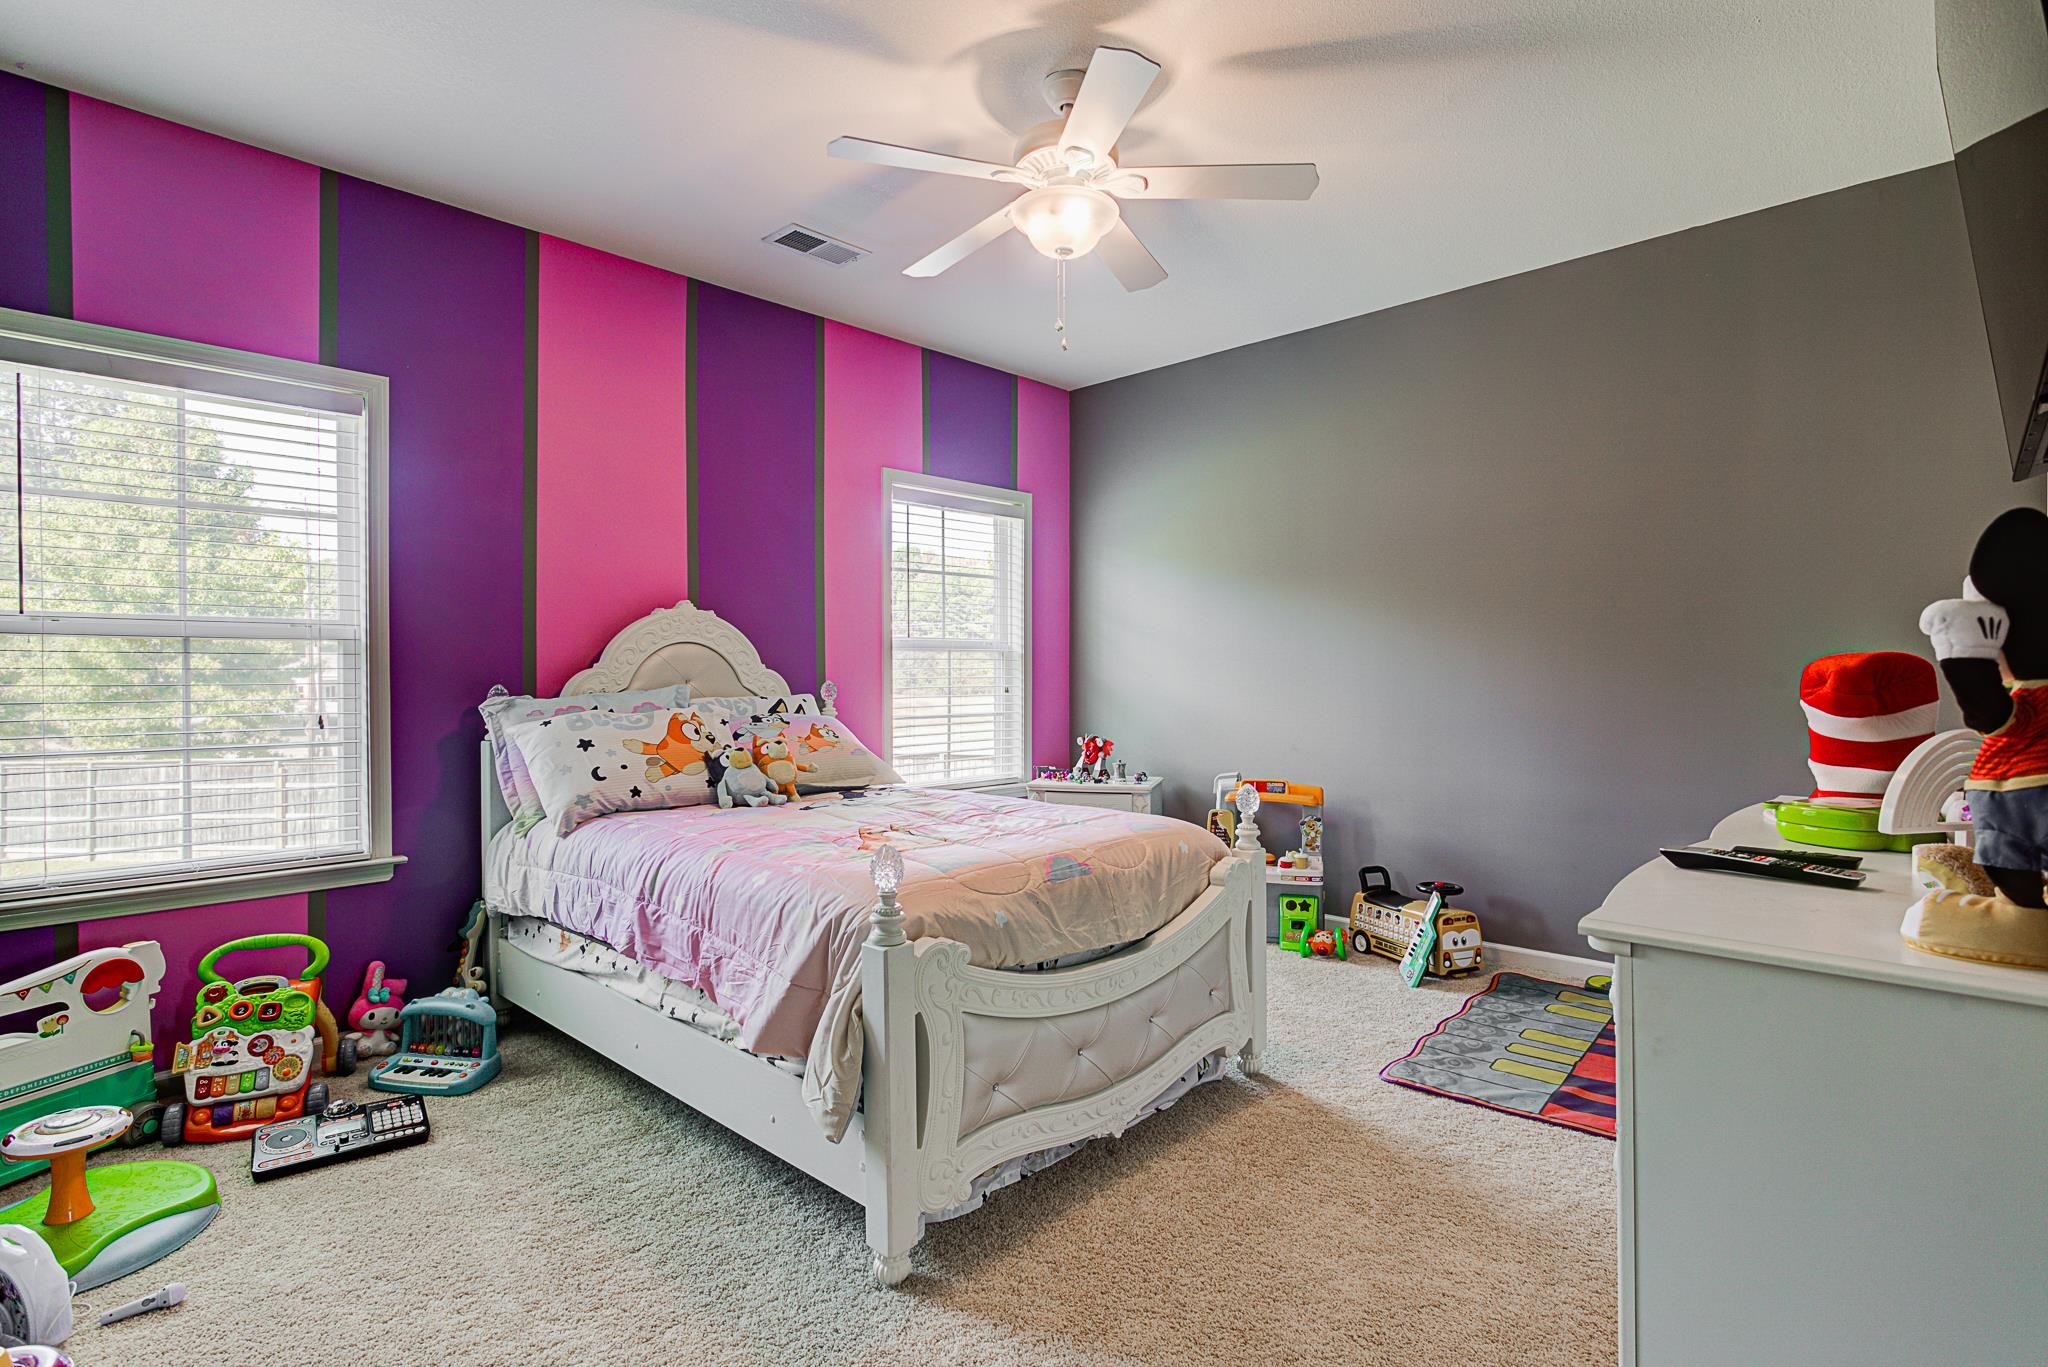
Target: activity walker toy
(1384, 922)
(90, 1046)
(128, 1217)
(1294, 883)
(253, 1045)
(450, 1046)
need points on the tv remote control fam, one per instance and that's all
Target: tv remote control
(1706, 857)
(1840, 861)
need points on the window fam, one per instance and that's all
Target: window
(187, 688)
(959, 630)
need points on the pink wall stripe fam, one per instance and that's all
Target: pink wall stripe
(189, 933)
(178, 232)
(874, 420)
(612, 505)
(1042, 473)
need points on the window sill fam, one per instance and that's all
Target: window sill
(978, 785)
(63, 908)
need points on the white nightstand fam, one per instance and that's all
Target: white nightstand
(1121, 797)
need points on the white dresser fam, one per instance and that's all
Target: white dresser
(1121, 797)
(1833, 1149)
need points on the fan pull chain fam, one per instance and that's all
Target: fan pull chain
(1059, 300)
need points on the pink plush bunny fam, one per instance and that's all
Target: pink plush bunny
(375, 1013)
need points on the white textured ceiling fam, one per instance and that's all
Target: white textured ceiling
(1459, 140)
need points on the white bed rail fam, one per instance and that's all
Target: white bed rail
(1193, 988)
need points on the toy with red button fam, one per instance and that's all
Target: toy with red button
(254, 1042)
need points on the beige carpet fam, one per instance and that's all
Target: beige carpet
(1313, 1215)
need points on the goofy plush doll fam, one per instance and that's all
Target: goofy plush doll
(1992, 644)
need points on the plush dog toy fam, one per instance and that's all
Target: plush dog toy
(1992, 644)
(773, 758)
(743, 782)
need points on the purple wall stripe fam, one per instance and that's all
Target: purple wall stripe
(24, 208)
(184, 234)
(434, 297)
(970, 421)
(1042, 473)
(754, 404)
(25, 951)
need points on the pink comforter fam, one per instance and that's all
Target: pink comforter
(764, 909)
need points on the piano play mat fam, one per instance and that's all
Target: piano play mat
(1525, 1046)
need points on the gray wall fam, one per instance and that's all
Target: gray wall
(1525, 574)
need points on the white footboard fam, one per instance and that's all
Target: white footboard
(968, 1067)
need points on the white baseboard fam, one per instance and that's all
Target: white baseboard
(1557, 963)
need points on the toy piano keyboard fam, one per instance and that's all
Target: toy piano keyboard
(448, 1045)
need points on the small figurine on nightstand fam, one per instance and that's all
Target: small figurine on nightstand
(375, 1013)
(1093, 766)
(1123, 773)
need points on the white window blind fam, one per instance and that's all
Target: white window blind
(183, 628)
(958, 636)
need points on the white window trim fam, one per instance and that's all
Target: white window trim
(1014, 501)
(33, 339)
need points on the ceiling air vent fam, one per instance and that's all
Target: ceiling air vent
(815, 245)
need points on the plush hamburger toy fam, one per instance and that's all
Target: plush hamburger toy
(1993, 647)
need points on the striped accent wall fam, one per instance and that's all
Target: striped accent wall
(576, 439)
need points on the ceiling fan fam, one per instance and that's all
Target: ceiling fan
(1073, 182)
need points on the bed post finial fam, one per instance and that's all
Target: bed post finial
(828, 698)
(886, 868)
(1247, 842)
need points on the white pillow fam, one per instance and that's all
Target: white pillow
(816, 751)
(502, 710)
(588, 764)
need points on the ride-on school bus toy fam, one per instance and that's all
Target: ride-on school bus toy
(1384, 922)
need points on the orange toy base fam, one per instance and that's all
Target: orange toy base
(200, 1129)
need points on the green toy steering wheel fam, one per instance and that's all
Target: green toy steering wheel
(316, 953)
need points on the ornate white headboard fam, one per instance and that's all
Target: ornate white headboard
(684, 644)
(680, 645)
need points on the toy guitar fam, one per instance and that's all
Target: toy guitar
(1416, 961)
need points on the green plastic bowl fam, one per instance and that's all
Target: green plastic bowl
(1840, 828)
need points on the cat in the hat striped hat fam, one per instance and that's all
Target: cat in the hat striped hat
(1992, 644)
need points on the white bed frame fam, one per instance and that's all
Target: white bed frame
(904, 1156)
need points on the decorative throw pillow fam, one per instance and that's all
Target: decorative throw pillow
(502, 710)
(587, 764)
(814, 750)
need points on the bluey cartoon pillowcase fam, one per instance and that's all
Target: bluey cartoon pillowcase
(589, 764)
(502, 710)
(822, 751)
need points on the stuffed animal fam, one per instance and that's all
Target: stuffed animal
(743, 781)
(1992, 644)
(773, 757)
(375, 1013)
(685, 748)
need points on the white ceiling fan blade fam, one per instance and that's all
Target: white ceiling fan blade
(1110, 93)
(1286, 180)
(917, 159)
(1127, 259)
(963, 246)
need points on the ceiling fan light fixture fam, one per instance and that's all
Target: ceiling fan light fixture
(1064, 221)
